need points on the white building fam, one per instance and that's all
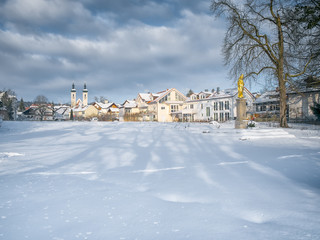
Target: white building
(218, 106)
(74, 101)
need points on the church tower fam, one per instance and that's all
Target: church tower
(85, 95)
(73, 96)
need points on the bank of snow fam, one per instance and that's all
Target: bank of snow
(92, 180)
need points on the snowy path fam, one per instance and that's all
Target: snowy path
(147, 181)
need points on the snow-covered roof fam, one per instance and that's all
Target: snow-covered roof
(114, 110)
(269, 96)
(164, 93)
(303, 89)
(80, 108)
(146, 97)
(62, 109)
(104, 105)
(205, 92)
(130, 104)
(224, 93)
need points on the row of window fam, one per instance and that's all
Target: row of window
(222, 105)
(222, 117)
(173, 108)
(217, 105)
(262, 108)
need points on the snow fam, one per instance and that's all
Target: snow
(100, 180)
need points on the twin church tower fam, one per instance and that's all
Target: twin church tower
(74, 101)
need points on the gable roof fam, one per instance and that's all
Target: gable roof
(100, 105)
(130, 104)
(166, 92)
(269, 96)
(146, 97)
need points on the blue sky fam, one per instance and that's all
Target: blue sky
(119, 47)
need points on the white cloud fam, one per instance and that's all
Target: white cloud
(41, 11)
(117, 59)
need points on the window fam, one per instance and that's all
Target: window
(164, 99)
(215, 106)
(221, 117)
(191, 106)
(208, 111)
(178, 97)
(220, 105)
(201, 106)
(226, 105)
(163, 108)
(174, 108)
(227, 116)
(215, 116)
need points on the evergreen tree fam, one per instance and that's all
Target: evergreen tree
(21, 106)
(71, 115)
(7, 103)
(189, 93)
(316, 110)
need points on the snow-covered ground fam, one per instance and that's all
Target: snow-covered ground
(93, 180)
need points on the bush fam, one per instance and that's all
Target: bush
(251, 124)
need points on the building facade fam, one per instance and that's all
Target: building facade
(218, 106)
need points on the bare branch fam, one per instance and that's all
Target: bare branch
(261, 70)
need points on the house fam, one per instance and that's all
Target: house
(267, 105)
(61, 113)
(201, 95)
(130, 107)
(85, 112)
(299, 104)
(107, 111)
(38, 112)
(218, 106)
(129, 111)
(166, 106)
(142, 101)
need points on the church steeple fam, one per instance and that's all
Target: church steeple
(73, 96)
(85, 95)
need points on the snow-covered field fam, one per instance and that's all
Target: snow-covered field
(93, 180)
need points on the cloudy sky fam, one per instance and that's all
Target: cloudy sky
(118, 47)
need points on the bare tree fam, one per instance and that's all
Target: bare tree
(257, 41)
(41, 99)
(41, 102)
(304, 27)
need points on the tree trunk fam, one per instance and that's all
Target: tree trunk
(283, 102)
(281, 79)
